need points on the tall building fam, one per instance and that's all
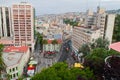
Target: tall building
(82, 35)
(101, 20)
(5, 22)
(109, 27)
(23, 24)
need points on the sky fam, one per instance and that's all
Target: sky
(62, 6)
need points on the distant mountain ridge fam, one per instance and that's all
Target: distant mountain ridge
(114, 11)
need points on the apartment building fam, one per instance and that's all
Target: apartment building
(102, 20)
(23, 24)
(5, 22)
(15, 58)
(82, 35)
(109, 27)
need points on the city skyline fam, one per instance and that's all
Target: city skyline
(63, 6)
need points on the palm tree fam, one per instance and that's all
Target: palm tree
(2, 64)
(54, 42)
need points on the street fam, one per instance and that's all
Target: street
(63, 55)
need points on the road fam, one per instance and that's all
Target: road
(42, 61)
(66, 54)
(63, 55)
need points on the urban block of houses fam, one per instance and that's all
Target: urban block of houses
(15, 59)
(51, 46)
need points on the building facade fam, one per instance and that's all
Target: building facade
(23, 24)
(82, 35)
(52, 47)
(109, 27)
(101, 20)
(15, 59)
(5, 22)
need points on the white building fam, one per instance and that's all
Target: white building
(82, 35)
(109, 27)
(15, 58)
(23, 24)
(102, 20)
(5, 22)
(52, 47)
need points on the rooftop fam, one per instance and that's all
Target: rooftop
(12, 55)
(115, 46)
(58, 40)
(16, 49)
(12, 58)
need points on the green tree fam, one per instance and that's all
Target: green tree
(95, 60)
(116, 33)
(44, 42)
(60, 71)
(85, 49)
(70, 21)
(2, 64)
(98, 43)
(54, 42)
(39, 37)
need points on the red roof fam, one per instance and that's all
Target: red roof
(16, 49)
(115, 46)
(59, 41)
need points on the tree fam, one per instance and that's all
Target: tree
(54, 42)
(85, 49)
(70, 21)
(39, 37)
(60, 71)
(116, 32)
(98, 43)
(2, 64)
(44, 42)
(95, 60)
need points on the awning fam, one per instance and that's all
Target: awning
(33, 62)
(31, 67)
(115, 46)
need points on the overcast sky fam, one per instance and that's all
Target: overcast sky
(62, 6)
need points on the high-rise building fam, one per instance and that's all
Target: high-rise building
(109, 27)
(23, 24)
(82, 35)
(5, 22)
(101, 20)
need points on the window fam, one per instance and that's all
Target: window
(13, 75)
(16, 68)
(13, 69)
(10, 70)
(17, 74)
